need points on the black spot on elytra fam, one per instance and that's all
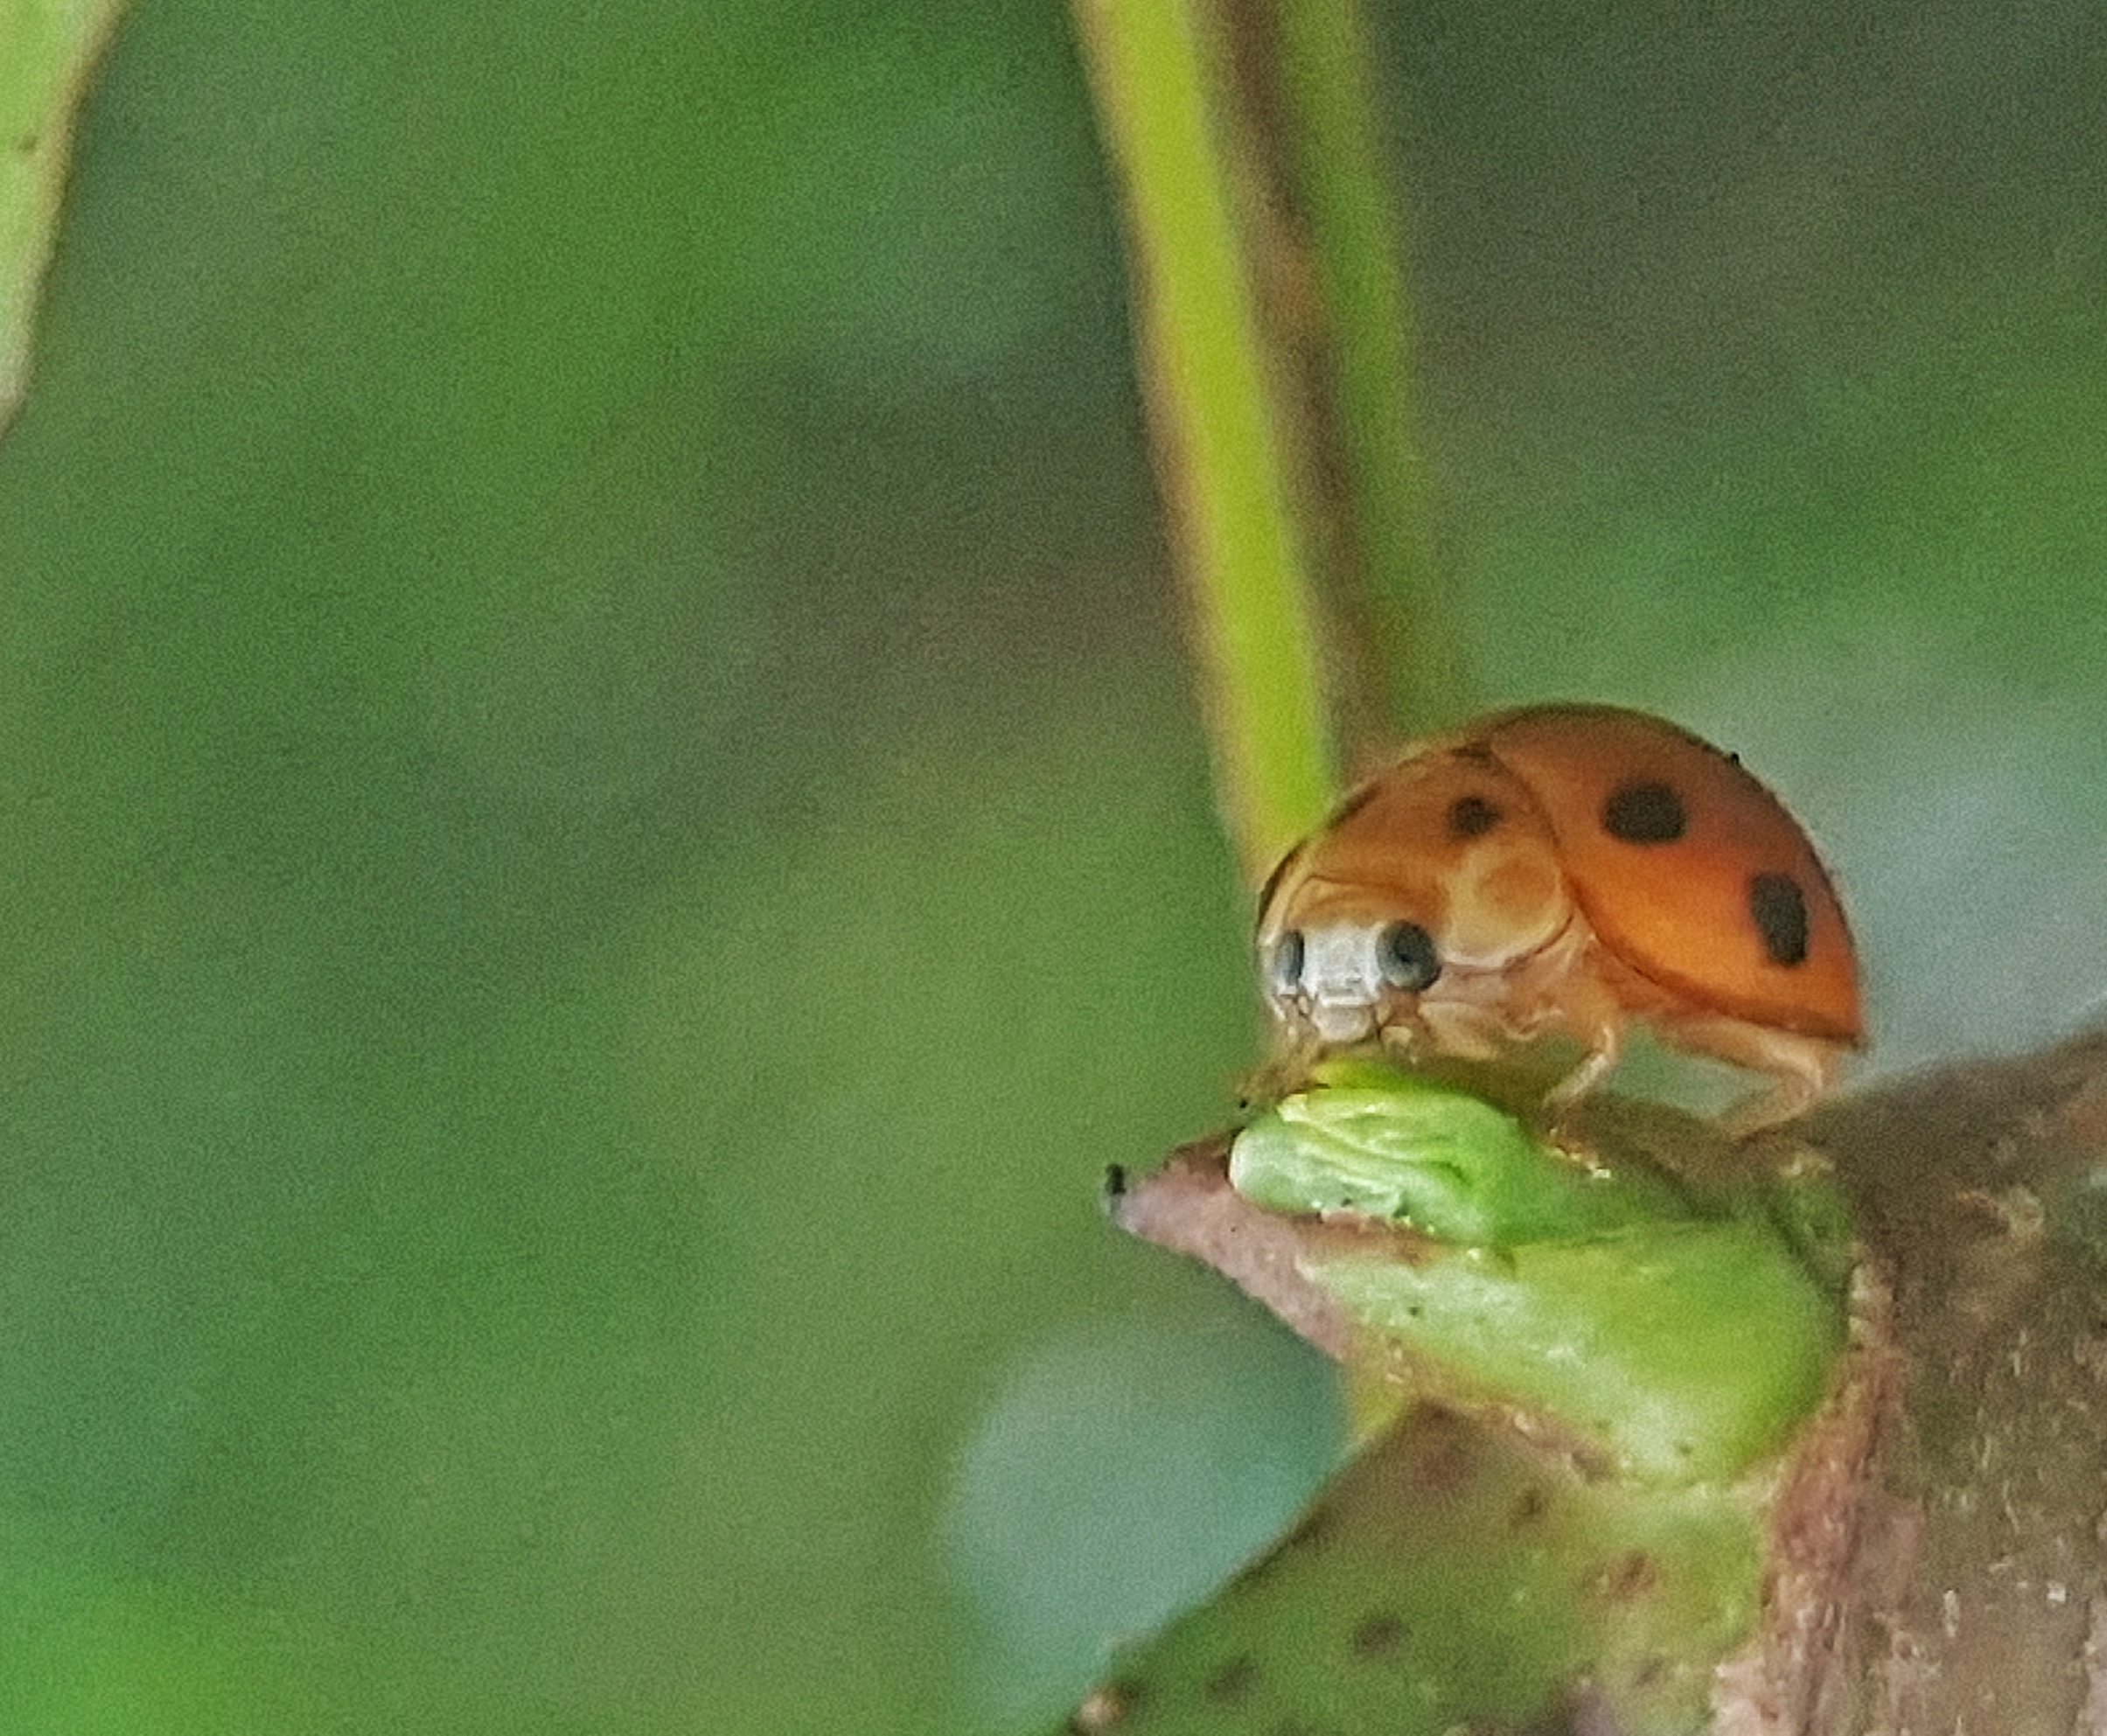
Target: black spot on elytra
(1377, 1637)
(1644, 812)
(1780, 910)
(1472, 817)
(1231, 1684)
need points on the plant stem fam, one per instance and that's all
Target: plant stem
(1340, 188)
(1217, 410)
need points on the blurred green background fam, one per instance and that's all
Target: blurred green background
(604, 831)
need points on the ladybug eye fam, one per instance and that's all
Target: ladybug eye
(1407, 954)
(1287, 962)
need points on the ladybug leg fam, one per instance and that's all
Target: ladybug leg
(1560, 1109)
(1800, 1069)
(1594, 1067)
(1598, 1021)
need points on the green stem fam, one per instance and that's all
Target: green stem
(1348, 203)
(1218, 412)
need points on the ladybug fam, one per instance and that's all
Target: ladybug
(1564, 870)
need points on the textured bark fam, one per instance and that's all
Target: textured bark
(1841, 1546)
(1984, 1190)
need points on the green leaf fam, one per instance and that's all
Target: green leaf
(1372, 1138)
(1684, 1352)
(1678, 1332)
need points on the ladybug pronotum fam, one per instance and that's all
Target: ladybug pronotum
(1564, 870)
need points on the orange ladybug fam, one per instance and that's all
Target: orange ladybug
(1564, 870)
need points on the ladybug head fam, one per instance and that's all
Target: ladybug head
(1437, 873)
